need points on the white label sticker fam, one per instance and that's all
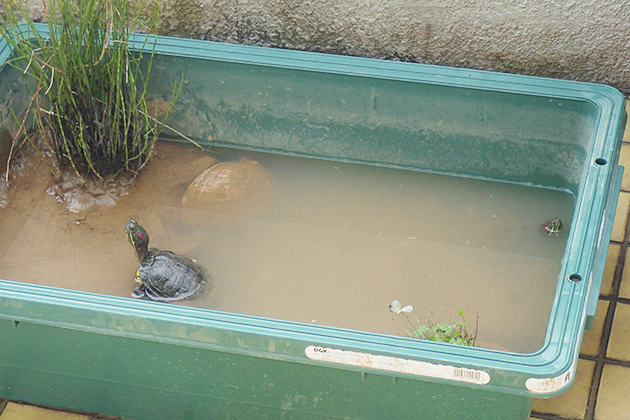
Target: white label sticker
(545, 385)
(396, 364)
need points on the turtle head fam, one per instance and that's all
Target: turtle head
(138, 238)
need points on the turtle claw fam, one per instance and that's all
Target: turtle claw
(139, 292)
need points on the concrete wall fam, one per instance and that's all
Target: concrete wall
(585, 40)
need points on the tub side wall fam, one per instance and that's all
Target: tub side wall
(509, 136)
(578, 39)
(142, 379)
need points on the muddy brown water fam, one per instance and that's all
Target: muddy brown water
(332, 244)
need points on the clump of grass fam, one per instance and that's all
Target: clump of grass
(89, 95)
(454, 333)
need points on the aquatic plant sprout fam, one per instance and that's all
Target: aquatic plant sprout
(88, 100)
(454, 333)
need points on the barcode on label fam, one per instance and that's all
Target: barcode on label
(467, 374)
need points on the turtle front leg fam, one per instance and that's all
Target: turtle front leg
(140, 290)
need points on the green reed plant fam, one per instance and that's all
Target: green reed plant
(454, 333)
(89, 96)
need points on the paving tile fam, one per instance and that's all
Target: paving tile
(571, 403)
(624, 289)
(612, 398)
(593, 337)
(624, 160)
(619, 345)
(609, 269)
(18, 411)
(621, 214)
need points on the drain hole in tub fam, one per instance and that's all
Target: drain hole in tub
(575, 277)
(601, 161)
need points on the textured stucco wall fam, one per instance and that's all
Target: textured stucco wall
(585, 40)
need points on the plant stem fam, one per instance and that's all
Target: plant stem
(90, 88)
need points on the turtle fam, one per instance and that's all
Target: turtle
(552, 227)
(163, 275)
(229, 185)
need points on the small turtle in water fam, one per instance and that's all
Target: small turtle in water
(552, 227)
(163, 275)
(229, 185)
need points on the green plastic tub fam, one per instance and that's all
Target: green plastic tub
(152, 361)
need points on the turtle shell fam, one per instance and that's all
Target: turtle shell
(227, 185)
(165, 276)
